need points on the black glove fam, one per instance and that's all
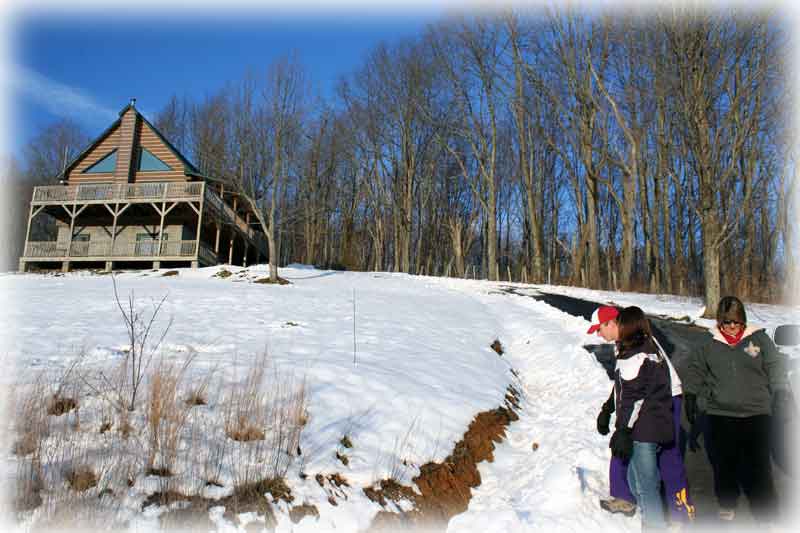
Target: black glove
(604, 418)
(622, 444)
(783, 407)
(690, 404)
(695, 430)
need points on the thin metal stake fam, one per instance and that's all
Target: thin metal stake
(354, 325)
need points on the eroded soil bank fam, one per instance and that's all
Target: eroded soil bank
(445, 488)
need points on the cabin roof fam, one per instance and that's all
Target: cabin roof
(188, 168)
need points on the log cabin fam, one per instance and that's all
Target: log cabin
(132, 200)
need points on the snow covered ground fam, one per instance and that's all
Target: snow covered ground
(403, 387)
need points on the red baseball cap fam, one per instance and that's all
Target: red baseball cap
(601, 315)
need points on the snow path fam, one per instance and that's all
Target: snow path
(557, 486)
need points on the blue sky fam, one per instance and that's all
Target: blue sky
(88, 66)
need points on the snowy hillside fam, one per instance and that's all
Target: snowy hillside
(393, 369)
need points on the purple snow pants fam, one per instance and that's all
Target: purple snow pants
(673, 473)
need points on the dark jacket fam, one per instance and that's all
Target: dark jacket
(643, 394)
(736, 380)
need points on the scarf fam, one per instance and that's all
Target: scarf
(733, 340)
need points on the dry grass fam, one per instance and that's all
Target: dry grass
(58, 406)
(245, 405)
(166, 416)
(28, 405)
(81, 478)
(264, 418)
(61, 468)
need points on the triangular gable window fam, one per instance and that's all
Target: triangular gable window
(147, 161)
(105, 165)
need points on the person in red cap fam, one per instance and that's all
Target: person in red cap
(673, 471)
(604, 323)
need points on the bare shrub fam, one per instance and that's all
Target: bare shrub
(139, 327)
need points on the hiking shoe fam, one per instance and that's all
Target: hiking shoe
(617, 505)
(726, 514)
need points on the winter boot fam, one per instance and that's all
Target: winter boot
(618, 505)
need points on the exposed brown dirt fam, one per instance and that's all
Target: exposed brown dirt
(170, 273)
(267, 281)
(196, 398)
(445, 487)
(82, 478)
(223, 274)
(246, 434)
(497, 347)
(298, 512)
(333, 484)
(162, 472)
(58, 405)
(246, 498)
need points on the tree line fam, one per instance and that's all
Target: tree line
(621, 152)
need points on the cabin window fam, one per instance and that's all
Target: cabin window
(149, 162)
(107, 164)
(147, 244)
(140, 237)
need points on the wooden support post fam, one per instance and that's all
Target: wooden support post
(27, 235)
(161, 225)
(71, 229)
(244, 256)
(216, 239)
(230, 249)
(199, 224)
(117, 213)
(65, 266)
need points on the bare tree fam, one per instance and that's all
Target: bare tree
(261, 175)
(716, 96)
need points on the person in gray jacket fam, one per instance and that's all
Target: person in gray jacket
(737, 378)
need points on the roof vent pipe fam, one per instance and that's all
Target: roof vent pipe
(133, 102)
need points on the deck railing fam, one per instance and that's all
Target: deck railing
(104, 192)
(206, 255)
(148, 248)
(45, 249)
(227, 212)
(128, 192)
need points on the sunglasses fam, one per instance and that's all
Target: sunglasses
(731, 323)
